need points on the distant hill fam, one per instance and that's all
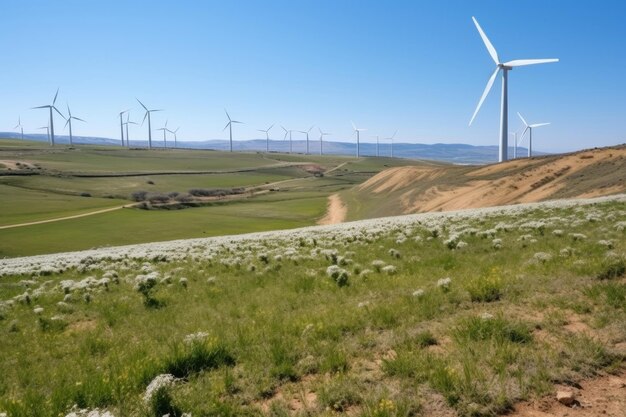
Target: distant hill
(403, 190)
(454, 153)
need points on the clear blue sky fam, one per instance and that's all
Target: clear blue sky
(416, 66)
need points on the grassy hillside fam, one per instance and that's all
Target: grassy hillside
(427, 315)
(420, 188)
(40, 183)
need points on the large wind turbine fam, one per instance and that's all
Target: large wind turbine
(19, 124)
(529, 128)
(306, 132)
(165, 130)
(358, 138)
(391, 139)
(288, 132)
(322, 134)
(50, 107)
(267, 137)
(230, 125)
(69, 122)
(149, 124)
(128, 122)
(122, 128)
(505, 67)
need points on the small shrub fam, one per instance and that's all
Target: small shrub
(486, 289)
(424, 339)
(139, 196)
(614, 268)
(339, 395)
(191, 358)
(85, 194)
(496, 328)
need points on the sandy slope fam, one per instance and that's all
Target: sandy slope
(588, 173)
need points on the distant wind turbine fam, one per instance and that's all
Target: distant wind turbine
(391, 139)
(19, 124)
(149, 123)
(306, 132)
(230, 125)
(174, 132)
(288, 132)
(358, 138)
(322, 134)
(267, 137)
(165, 130)
(377, 140)
(122, 128)
(128, 122)
(51, 107)
(504, 109)
(47, 131)
(69, 122)
(529, 128)
(514, 144)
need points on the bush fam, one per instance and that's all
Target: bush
(158, 198)
(215, 192)
(198, 356)
(486, 289)
(139, 195)
(183, 198)
(84, 194)
(614, 268)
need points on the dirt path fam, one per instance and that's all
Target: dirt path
(603, 396)
(58, 219)
(336, 211)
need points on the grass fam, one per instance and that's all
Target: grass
(284, 339)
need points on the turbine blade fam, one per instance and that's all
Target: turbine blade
(539, 125)
(310, 128)
(227, 115)
(284, 129)
(394, 134)
(156, 110)
(523, 62)
(55, 97)
(144, 118)
(141, 104)
(269, 128)
(40, 107)
(227, 124)
(68, 110)
(67, 122)
(523, 134)
(490, 48)
(523, 120)
(57, 110)
(236, 121)
(353, 125)
(487, 89)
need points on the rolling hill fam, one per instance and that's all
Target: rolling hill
(402, 190)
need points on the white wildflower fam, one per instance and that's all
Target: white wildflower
(542, 256)
(418, 293)
(444, 283)
(557, 232)
(38, 310)
(496, 243)
(197, 337)
(389, 270)
(578, 236)
(77, 412)
(486, 316)
(378, 264)
(606, 243)
(163, 381)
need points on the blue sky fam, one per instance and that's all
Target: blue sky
(416, 66)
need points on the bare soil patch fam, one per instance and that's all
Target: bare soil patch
(336, 211)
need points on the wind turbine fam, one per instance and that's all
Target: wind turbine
(50, 107)
(267, 137)
(391, 139)
(322, 134)
(230, 125)
(514, 144)
(128, 122)
(306, 132)
(149, 124)
(505, 67)
(47, 131)
(173, 132)
(288, 132)
(19, 124)
(122, 128)
(530, 137)
(69, 122)
(377, 139)
(358, 137)
(165, 130)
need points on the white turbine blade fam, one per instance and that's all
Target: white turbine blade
(144, 117)
(394, 134)
(487, 89)
(522, 62)
(69, 113)
(156, 110)
(67, 122)
(490, 48)
(236, 121)
(40, 107)
(269, 128)
(227, 124)
(523, 120)
(260, 130)
(227, 115)
(353, 125)
(539, 125)
(310, 128)
(141, 104)
(284, 129)
(55, 97)
(57, 110)
(521, 139)
(77, 118)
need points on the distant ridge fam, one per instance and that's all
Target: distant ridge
(454, 153)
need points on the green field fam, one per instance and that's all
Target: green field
(432, 316)
(107, 176)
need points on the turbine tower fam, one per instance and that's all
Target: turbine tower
(51, 107)
(128, 122)
(230, 125)
(47, 132)
(514, 144)
(174, 132)
(288, 132)
(306, 132)
(358, 138)
(165, 130)
(529, 128)
(149, 123)
(69, 122)
(504, 105)
(322, 134)
(19, 124)
(391, 139)
(267, 137)
(377, 140)
(122, 128)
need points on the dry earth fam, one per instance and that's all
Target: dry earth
(589, 173)
(336, 211)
